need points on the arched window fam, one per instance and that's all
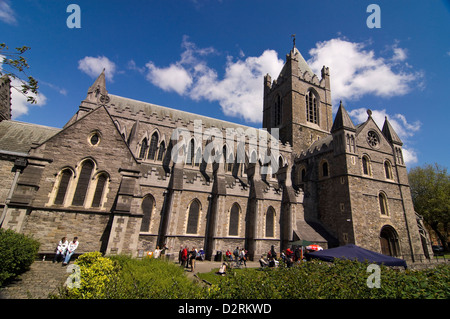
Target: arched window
(383, 204)
(233, 229)
(277, 111)
(83, 183)
(198, 157)
(253, 157)
(191, 153)
(388, 170)
(389, 241)
(64, 180)
(147, 209)
(366, 165)
(153, 146)
(144, 147)
(270, 222)
(325, 169)
(303, 175)
(162, 150)
(194, 212)
(99, 190)
(311, 107)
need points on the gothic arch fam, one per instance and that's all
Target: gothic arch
(147, 207)
(193, 216)
(389, 241)
(270, 222)
(233, 225)
(312, 103)
(63, 183)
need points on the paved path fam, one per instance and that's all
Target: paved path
(43, 278)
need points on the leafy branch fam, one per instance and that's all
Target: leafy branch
(14, 65)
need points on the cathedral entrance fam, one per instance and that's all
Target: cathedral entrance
(389, 241)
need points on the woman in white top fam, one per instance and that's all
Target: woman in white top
(73, 245)
(61, 249)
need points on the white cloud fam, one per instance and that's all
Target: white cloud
(356, 72)
(404, 129)
(173, 78)
(239, 92)
(7, 14)
(19, 104)
(93, 66)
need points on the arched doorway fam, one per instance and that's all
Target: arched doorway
(389, 241)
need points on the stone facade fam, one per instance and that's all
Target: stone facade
(113, 176)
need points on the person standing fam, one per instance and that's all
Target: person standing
(243, 257)
(192, 256)
(73, 245)
(61, 249)
(184, 257)
(157, 252)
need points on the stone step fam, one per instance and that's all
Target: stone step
(43, 278)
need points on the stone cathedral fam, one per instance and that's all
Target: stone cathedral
(109, 175)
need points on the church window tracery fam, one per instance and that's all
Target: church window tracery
(311, 107)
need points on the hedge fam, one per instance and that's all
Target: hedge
(127, 278)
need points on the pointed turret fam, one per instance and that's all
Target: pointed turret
(342, 120)
(96, 94)
(390, 134)
(99, 86)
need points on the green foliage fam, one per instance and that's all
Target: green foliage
(152, 279)
(14, 65)
(96, 273)
(122, 277)
(430, 191)
(17, 253)
(343, 279)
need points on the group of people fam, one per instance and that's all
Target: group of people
(287, 256)
(65, 250)
(187, 258)
(238, 255)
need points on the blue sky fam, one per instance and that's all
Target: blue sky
(209, 57)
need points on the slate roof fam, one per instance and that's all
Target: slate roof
(18, 136)
(118, 104)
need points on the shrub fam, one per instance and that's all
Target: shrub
(152, 279)
(17, 253)
(342, 279)
(96, 272)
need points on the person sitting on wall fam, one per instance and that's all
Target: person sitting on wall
(61, 249)
(73, 245)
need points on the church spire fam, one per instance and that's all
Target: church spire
(97, 92)
(390, 133)
(342, 120)
(99, 86)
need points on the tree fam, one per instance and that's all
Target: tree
(430, 190)
(14, 65)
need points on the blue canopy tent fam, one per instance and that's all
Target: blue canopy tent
(354, 252)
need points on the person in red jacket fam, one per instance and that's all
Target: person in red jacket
(184, 256)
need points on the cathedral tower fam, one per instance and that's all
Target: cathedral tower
(298, 103)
